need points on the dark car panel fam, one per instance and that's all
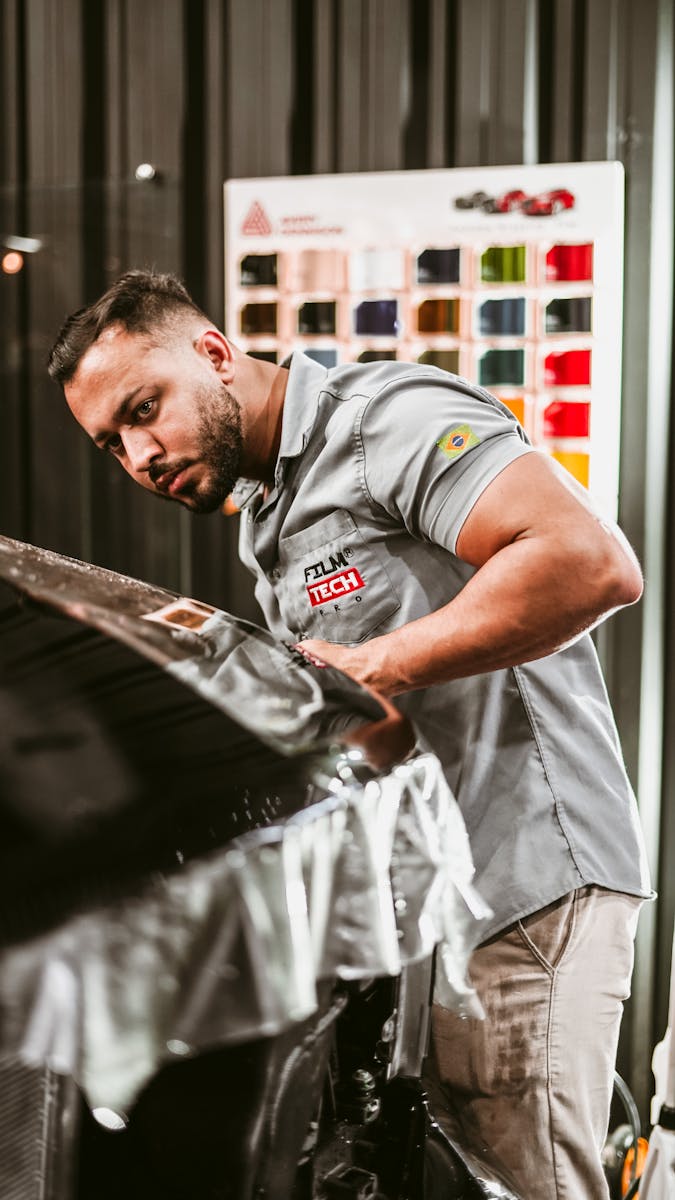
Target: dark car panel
(215, 979)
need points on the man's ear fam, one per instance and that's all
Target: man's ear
(215, 346)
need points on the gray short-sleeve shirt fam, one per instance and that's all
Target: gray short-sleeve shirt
(378, 468)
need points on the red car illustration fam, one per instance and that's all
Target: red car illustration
(507, 202)
(546, 204)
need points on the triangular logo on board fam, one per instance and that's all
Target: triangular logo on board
(256, 222)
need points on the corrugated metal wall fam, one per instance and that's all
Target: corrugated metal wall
(210, 89)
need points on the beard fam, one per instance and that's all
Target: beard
(219, 451)
(220, 442)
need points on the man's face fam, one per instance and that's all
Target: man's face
(164, 412)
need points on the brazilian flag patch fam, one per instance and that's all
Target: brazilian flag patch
(457, 440)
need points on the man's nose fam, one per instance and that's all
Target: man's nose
(142, 449)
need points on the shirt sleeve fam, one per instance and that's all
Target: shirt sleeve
(429, 448)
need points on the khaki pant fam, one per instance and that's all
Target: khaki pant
(528, 1089)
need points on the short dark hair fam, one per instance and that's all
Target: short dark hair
(139, 301)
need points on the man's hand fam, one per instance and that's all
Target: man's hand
(548, 568)
(383, 743)
(323, 654)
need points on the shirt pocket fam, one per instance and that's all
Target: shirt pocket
(333, 583)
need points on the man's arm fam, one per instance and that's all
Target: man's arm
(548, 568)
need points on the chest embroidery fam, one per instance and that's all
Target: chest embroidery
(334, 586)
(324, 580)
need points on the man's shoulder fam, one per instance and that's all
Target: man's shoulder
(402, 404)
(369, 379)
(388, 379)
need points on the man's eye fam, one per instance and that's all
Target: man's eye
(144, 409)
(113, 444)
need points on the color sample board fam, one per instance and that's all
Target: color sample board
(509, 276)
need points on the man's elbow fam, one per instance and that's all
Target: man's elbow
(631, 585)
(619, 576)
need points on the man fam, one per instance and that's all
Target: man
(400, 527)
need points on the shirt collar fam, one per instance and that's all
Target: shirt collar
(305, 379)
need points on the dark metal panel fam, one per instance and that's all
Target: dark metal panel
(598, 82)
(635, 105)
(277, 73)
(603, 79)
(14, 497)
(10, 83)
(245, 23)
(115, 86)
(117, 171)
(664, 340)
(243, 51)
(54, 52)
(497, 73)
(472, 64)
(213, 571)
(154, 96)
(439, 70)
(302, 85)
(418, 109)
(387, 83)
(217, 574)
(648, 386)
(564, 53)
(259, 72)
(324, 150)
(373, 84)
(630, 60)
(513, 114)
(129, 530)
(350, 51)
(248, 89)
(217, 156)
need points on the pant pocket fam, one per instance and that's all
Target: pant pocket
(547, 933)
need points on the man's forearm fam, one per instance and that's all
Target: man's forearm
(524, 603)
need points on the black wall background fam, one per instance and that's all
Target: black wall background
(207, 90)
